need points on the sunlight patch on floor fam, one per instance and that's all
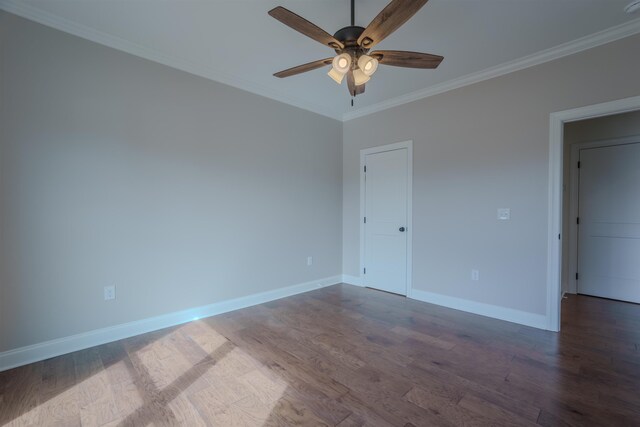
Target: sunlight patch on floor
(182, 377)
(226, 385)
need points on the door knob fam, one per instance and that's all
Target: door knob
(401, 229)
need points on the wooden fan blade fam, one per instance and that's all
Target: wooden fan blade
(305, 27)
(400, 58)
(390, 19)
(303, 68)
(351, 85)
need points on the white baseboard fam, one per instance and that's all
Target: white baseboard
(352, 280)
(503, 313)
(41, 351)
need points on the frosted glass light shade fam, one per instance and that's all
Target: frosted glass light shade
(336, 75)
(342, 63)
(360, 77)
(367, 64)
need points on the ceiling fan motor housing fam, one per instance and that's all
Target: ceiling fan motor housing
(348, 36)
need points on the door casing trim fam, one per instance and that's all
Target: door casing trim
(556, 147)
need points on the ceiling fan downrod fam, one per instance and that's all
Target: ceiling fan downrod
(353, 12)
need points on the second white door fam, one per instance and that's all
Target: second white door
(386, 196)
(609, 225)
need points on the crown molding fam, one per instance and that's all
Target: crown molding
(23, 10)
(584, 43)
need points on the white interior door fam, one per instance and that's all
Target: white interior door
(609, 226)
(386, 196)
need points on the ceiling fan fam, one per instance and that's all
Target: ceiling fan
(352, 45)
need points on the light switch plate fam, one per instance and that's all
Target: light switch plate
(109, 293)
(504, 214)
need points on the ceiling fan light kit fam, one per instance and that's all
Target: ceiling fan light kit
(352, 45)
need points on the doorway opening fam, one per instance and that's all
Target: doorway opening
(567, 131)
(602, 208)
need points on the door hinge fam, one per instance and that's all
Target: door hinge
(365, 168)
(365, 219)
(364, 270)
(576, 276)
(578, 165)
(558, 236)
(578, 220)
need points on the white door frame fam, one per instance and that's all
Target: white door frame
(556, 142)
(381, 149)
(573, 198)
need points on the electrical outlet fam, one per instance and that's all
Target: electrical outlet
(109, 293)
(475, 275)
(504, 214)
(309, 260)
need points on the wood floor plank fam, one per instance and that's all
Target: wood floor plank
(490, 413)
(291, 412)
(95, 396)
(346, 356)
(21, 397)
(300, 362)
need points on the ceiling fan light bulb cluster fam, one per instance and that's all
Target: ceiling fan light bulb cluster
(360, 77)
(335, 75)
(367, 64)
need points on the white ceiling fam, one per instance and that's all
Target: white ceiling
(236, 42)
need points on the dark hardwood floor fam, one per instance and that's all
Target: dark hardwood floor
(346, 356)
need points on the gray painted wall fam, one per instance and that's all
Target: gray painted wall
(178, 190)
(616, 126)
(609, 127)
(477, 149)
